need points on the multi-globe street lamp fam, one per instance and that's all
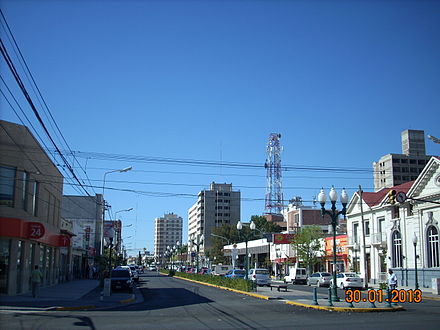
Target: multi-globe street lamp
(197, 240)
(334, 216)
(246, 237)
(415, 240)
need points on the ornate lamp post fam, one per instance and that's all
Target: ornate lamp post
(415, 240)
(246, 239)
(197, 241)
(334, 216)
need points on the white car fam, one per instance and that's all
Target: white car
(348, 280)
(259, 275)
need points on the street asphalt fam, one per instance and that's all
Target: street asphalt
(86, 295)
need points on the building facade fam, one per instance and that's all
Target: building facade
(30, 224)
(389, 230)
(395, 169)
(218, 206)
(167, 232)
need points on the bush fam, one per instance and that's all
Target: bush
(232, 283)
(383, 286)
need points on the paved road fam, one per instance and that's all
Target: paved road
(177, 304)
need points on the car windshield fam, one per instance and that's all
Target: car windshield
(262, 272)
(240, 272)
(350, 275)
(120, 273)
(325, 274)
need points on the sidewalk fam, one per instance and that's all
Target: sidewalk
(73, 295)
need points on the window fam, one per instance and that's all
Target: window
(35, 198)
(7, 179)
(24, 188)
(355, 232)
(412, 161)
(433, 247)
(396, 247)
(367, 228)
(404, 161)
(395, 212)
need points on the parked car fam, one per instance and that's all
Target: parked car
(348, 280)
(319, 279)
(259, 275)
(121, 279)
(135, 273)
(236, 273)
(221, 269)
(153, 268)
(204, 271)
(296, 275)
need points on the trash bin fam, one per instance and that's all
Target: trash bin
(436, 286)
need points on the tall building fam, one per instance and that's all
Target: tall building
(395, 169)
(214, 207)
(167, 232)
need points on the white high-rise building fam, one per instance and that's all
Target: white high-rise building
(167, 232)
(214, 207)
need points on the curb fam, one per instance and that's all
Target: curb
(75, 308)
(290, 302)
(346, 309)
(255, 295)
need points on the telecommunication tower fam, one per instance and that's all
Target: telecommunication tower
(274, 193)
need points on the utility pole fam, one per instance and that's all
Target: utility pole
(364, 249)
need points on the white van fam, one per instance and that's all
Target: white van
(221, 269)
(296, 275)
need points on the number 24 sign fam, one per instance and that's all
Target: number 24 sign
(36, 230)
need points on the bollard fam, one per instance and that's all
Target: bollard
(101, 298)
(330, 303)
(388, 300)
(315, 296)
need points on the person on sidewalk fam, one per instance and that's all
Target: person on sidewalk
(392, 280)
(36, 278)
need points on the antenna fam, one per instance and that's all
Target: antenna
(274, 193)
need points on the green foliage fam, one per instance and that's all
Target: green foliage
(232, 283)
(265, 226)
(307, 244)
(383, 286)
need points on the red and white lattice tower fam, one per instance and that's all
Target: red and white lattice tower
(274, 193)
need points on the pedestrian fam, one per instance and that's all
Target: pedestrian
(392, 280)
(36, 277)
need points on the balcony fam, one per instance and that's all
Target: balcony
(379, 239)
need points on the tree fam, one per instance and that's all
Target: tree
(307, 244)
(265, 226)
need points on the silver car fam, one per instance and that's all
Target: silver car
(319, 279)
(259, 275)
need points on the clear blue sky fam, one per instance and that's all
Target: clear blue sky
(210, 80)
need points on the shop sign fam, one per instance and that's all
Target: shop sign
(283, 238)
(36, 230)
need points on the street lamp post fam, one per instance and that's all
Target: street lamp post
(246, 238)
(197, 243)
(103, 203)
(415, 240)
(110, 238)
(334, 216)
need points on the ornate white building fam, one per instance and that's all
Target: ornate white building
(386, 239)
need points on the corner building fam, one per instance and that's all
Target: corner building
(30, 196)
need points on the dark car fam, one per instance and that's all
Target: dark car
(121, 280)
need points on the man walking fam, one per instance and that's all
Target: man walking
(392, 280)
(36, 278)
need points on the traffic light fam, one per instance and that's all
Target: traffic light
(392, 197)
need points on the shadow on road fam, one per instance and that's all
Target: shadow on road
(160, 298)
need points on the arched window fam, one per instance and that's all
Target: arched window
(432, 242)
(396, 241)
